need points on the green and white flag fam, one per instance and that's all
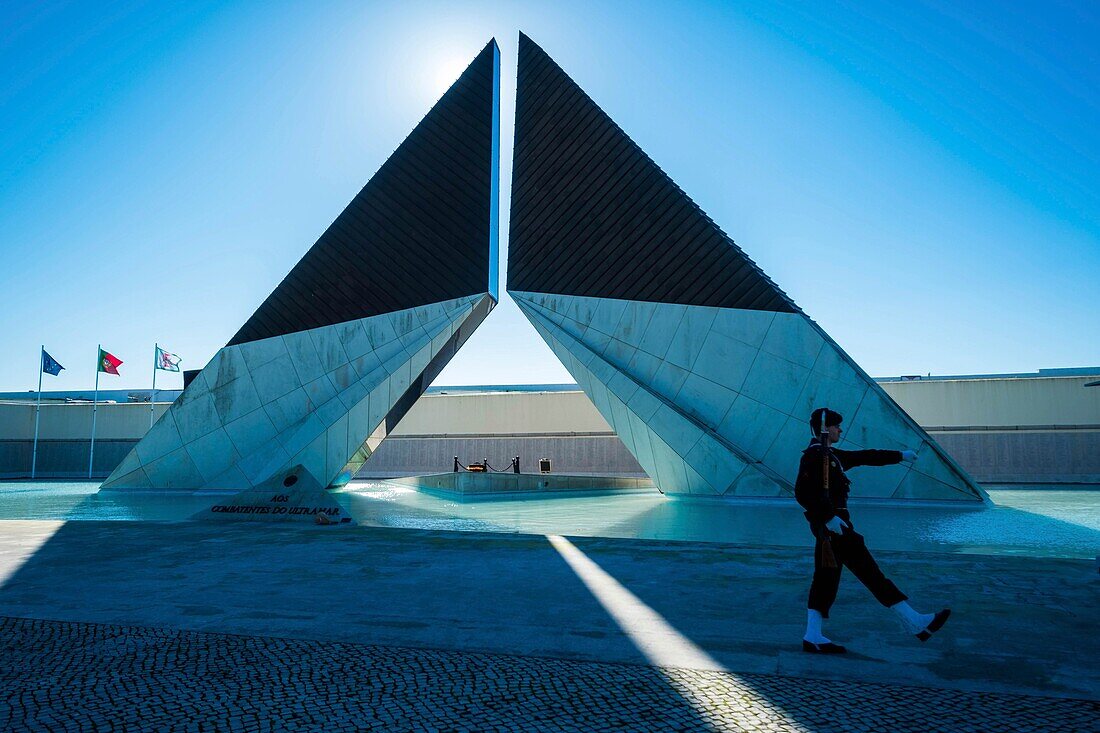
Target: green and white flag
(167, 362)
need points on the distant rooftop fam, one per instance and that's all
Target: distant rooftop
(468, 388)
(85, 395)
(1042, 373)
(169, 395)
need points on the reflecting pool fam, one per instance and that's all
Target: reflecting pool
(1037, 522)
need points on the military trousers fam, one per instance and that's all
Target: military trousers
(850, 552)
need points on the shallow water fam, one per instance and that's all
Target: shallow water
(1032, 522)
(1047, 523)
(79, 500)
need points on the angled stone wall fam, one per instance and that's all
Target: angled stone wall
(319, 398)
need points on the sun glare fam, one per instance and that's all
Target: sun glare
(445, 72)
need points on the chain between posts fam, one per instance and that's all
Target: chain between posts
(485, 467)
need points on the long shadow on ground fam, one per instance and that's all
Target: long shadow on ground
(499, 593)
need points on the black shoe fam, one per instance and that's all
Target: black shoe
(826, 648)
(937, 623)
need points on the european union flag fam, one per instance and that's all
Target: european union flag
(50, 365)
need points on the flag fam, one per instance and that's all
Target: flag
(167, 362)
(109, 363)
(50, 365)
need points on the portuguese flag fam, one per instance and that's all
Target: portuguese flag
(108, 362)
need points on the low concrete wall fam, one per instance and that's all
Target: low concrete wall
(62, 458)
(587, 455)
(999, 402)
(1026, 456)
(65, 431)
(73, 420)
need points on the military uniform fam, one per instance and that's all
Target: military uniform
(848, 548)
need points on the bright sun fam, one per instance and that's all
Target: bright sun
(446, 72)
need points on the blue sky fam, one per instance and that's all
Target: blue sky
(921, 178)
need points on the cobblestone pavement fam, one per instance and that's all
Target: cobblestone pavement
(62, 676)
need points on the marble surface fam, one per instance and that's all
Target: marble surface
(311, 398)
(735, 382)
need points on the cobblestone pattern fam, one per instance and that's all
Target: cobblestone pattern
(59, 676)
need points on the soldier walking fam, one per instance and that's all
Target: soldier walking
(822, 490)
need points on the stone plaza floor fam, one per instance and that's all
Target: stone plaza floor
(64, 676)
(150, 625)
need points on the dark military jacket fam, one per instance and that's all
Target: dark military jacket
(809, 487)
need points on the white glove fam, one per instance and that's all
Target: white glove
(836, 525)
(908, 455)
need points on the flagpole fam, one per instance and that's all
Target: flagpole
(153, 398)
(95, 406)
(37, 409)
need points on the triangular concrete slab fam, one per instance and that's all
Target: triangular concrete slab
(636, 289)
